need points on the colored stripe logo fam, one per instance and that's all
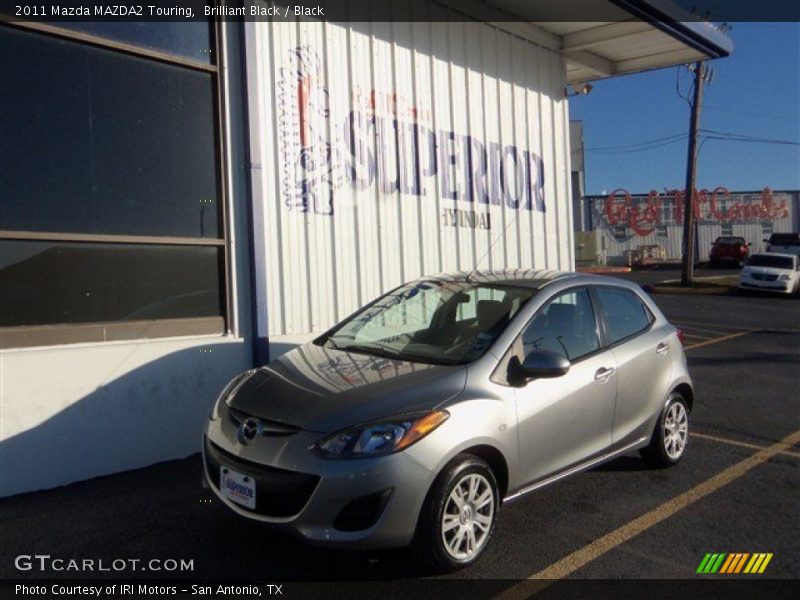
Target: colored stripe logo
(734, 562)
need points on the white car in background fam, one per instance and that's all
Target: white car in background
(783, 243)
(771, 272)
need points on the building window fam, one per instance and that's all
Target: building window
(726, 229)
(112, 218)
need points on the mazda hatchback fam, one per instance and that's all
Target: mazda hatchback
(417, 418)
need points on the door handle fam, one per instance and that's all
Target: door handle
(602, 374)
(662, 348)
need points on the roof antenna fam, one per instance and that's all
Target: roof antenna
(489, 249)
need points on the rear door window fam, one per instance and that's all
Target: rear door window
(624, 313)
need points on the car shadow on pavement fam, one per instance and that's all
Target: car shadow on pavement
(624, 464)
(163, 512)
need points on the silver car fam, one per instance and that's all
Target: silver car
(415, 419)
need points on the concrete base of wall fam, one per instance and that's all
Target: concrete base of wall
(75, 412)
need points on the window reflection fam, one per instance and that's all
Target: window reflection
(190, 39)
(101, 142)
(61, 282)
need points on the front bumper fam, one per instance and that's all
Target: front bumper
(779, 287)
(306, 495)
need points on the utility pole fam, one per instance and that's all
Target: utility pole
(687, 267)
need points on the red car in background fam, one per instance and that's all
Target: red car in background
(728, 248)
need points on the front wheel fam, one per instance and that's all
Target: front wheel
(458, 517)
(671, 435)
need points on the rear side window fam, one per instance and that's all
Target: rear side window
(624, 312)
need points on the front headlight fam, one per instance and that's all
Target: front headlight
(381, 438)
(233, 385)
(785, 277)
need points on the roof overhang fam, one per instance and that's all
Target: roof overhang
(618, 36)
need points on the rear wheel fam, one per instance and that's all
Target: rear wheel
(458, 517)
(671, 435)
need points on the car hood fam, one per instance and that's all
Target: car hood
(767, 270)
(323, 390)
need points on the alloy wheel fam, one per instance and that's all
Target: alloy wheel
(468, 516)
(676, 430)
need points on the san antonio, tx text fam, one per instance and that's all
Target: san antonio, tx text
(142, 589)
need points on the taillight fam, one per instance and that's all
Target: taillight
(681, 336)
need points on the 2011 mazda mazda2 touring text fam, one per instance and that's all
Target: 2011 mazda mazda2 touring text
(416, 418)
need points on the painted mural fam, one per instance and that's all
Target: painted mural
(390, 142)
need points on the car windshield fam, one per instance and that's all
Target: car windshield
(730, 241)
(431, 321)
(765, 260)
(785, 239)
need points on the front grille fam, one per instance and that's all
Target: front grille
(279, 493)
(764, 277)
(268, 428)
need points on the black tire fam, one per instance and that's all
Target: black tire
(659, 454)
(429, 540)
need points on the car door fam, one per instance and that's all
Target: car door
(641, 350)
(564, 420)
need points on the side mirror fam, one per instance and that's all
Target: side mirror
(541, 364)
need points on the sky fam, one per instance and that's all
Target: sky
(755, 92)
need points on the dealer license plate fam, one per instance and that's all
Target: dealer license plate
(237, 487)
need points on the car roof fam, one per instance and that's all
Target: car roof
(528, 278)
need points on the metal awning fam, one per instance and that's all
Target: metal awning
(633, 35)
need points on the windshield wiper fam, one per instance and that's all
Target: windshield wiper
(364, 349)
(396, 355)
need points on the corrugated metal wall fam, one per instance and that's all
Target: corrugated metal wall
(368, 136)
(625, 224)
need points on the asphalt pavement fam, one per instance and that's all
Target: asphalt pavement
(736, 491)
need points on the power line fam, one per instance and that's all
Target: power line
(745, 137)
(753, 113)
(672, 139)
(678, 72)
(751, 141)
(645, 145)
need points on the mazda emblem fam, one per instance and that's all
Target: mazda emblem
(249, 429)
